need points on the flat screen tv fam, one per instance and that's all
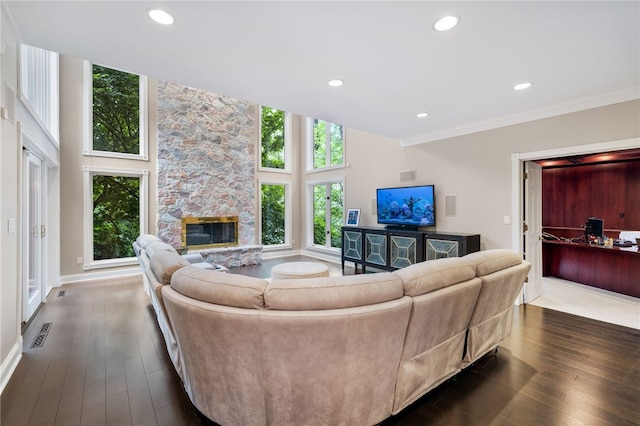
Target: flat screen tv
(407, 206)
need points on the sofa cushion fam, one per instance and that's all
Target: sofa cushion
(332, 292)
(164, 263)
(157, 246)
(220, 288)
(490, 261)
(425, 277)
(145, 239)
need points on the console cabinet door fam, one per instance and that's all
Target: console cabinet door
(405, 249)
(438, 246)
(376, 249)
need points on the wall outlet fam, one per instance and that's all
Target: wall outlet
(79, 261)
(507, 220)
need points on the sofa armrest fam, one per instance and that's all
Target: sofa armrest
(193, 258)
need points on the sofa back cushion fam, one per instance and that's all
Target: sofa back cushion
(220, 288)
(164, 263)
(158, 246)
(145, 239)
(489, 261)
(332, 292)
(425, 277)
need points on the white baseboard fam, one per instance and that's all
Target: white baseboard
(327, 257)
(66, 279)
(276, 254)
(9, 365)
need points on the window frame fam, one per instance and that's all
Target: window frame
(310, 150)
(309, 208)
(288, 118)
(88, 150)
(89, 172)
(288, 214)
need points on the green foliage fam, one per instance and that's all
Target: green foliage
(116, 216)
(336, 144)
(116, 111)
(319, 144)
(320, 200)
(273, 214)
(319, 214)
(337, 214)
(272, 134)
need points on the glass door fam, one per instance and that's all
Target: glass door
(32, 238)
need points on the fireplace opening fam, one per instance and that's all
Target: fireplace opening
(204, 232)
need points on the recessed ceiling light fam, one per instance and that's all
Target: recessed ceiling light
(522, 86)
(161, 17)
(335, 83)
(422, 114)
(446, 23)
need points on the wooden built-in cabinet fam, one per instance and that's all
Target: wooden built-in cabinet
(391, 249)
(572, 194)
(608, 191)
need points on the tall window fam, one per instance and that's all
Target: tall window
(327, 144)
(274, 139)
(275, 213)
(115, 214)
(327, 209)
(116, 113)
(39, 88)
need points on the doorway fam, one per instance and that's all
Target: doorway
(523, 195)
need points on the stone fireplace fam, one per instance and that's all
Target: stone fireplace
(209, 232)
(206, 168)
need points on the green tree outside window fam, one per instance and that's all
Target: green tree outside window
(116, 111)
(273, 214)
(116, 216)
(272, 134)
(328, 144)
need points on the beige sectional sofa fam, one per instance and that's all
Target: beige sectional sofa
(350, 350)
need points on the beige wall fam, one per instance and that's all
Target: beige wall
(10, 157)
(476, 168)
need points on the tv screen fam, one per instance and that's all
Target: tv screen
(412, 206)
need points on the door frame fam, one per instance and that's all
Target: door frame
(517, 187)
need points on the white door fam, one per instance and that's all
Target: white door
(32, 238)
(533, 229)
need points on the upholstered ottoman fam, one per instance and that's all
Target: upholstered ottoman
(291, 270)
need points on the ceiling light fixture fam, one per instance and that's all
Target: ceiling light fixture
(446, 23)
(161, 17)
(335, 83)
(422, 114)
(522, 86)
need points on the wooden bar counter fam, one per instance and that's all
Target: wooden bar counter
(610, 268)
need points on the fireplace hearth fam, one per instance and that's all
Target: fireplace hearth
(208, 232)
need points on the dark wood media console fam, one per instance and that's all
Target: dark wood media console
(609, 268)
(391, 249)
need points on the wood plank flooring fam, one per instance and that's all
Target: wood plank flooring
(103, 362)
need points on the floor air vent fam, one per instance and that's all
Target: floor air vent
(38, 342)
(61, 293)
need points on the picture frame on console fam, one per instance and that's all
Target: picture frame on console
(353, 217)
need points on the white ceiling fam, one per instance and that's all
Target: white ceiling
(577, 54)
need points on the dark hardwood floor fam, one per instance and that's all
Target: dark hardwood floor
(103, 362)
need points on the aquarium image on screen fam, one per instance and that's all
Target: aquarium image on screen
(406, 206)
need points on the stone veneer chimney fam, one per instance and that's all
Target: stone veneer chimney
(206, 160)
